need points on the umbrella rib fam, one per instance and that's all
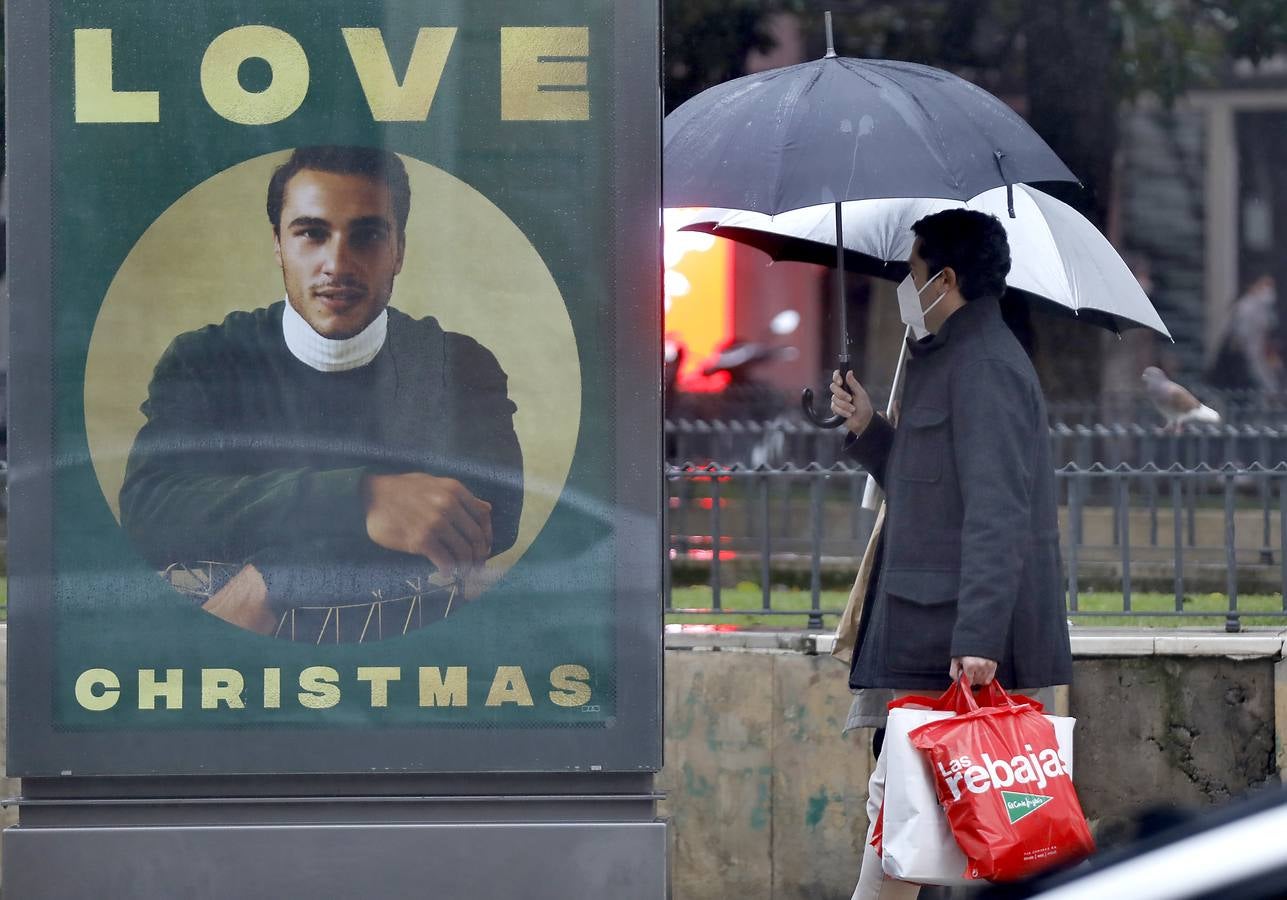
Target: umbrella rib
(929, 119)
(859, 73)
(984, 135)
(710, 129)
(853, 162)
(987, 140)
(1040, 222)
(967, 120)
(725, 137)
(779, 146)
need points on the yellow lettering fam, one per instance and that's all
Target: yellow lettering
(570, 688)
(95, 98)
(222, 686)
(272, 688)
(389, 100)
(379, 676)
(96, 678)
(544, 74)
(222, 87)
(171, 689)
(509, 686)
(319, 687)
(436, 690)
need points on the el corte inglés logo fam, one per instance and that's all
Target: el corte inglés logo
(1019, 805)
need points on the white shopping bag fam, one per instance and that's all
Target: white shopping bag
(916, 842)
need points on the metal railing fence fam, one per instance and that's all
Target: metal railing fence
(1236, 406)
(1177, 530)
(1139, 446)
(765, 521)
(791, 441)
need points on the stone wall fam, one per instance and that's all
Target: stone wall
(766, 797)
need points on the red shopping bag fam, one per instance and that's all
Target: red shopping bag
(952, 700)
(1006, 790)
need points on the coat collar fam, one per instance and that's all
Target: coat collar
(973, 315)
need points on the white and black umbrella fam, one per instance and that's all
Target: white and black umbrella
(839, 129)
(1059, 261)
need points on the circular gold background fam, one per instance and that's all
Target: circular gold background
(466, 264)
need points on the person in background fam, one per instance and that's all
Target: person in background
(1247, 356)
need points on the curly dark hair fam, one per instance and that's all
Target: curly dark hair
(970, 243)
(370, 162)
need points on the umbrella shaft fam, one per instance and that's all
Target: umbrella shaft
(841, 310)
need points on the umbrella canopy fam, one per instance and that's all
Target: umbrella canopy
(840, 129)
(846, 129)
(1059, 260)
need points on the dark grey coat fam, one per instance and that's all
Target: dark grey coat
(969, 559)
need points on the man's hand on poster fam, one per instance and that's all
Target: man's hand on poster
(243, 601)
(437, 518)
(980, 671)
(849, 399)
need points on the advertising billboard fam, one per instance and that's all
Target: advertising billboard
(335, 395)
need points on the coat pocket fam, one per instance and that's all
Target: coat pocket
(920, 619)
(923, 444)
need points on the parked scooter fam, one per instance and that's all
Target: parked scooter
(746, 396)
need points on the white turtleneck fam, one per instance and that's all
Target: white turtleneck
(330, 354)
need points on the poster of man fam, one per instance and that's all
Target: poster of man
(338, 339)
(309, 455)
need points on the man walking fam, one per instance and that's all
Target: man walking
(967, 573)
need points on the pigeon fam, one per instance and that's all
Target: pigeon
(1175, 403)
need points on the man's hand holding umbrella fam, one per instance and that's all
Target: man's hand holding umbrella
(850, 401)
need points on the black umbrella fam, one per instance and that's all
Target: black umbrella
(839, 129)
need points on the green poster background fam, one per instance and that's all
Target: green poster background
(111, 181)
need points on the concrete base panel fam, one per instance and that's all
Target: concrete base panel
(766, 797)
(624, 861)
(1170, 733)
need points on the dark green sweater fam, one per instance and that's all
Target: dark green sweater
(250, 456)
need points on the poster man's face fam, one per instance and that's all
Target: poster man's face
(339, 248)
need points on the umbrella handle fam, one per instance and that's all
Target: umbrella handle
(806, 403)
